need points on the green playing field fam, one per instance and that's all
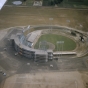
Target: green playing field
(68, 44)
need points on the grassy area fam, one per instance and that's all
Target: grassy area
(68, 3)
(69, 44)
(45, 3)
(29, 2)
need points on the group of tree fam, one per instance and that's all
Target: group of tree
(24, 0)
(53, 2)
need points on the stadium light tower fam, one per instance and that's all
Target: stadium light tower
(2, 2)
(60, 47)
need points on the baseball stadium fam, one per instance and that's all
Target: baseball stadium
(43, 43)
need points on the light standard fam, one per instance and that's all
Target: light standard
(51, 19)
(60, 47)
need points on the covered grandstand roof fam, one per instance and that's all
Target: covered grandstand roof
(34, 35)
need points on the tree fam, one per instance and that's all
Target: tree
(24, 0)
(60, 1)
(53, 2)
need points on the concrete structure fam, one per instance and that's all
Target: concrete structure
(23, 44)
(24, 49)
(33, 35)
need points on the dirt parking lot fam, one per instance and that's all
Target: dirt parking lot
(45, 80)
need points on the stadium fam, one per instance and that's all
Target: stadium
(29, 42)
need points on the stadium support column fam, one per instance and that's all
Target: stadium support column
(35, 57)
(50, 54)
(60, 43)
(46, 57)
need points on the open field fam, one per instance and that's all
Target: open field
(18, 16)
(68, 45)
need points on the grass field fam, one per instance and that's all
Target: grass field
(69, 44)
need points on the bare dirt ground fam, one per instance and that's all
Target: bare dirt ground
(84, 77)
(18, 16)
(45, 80)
